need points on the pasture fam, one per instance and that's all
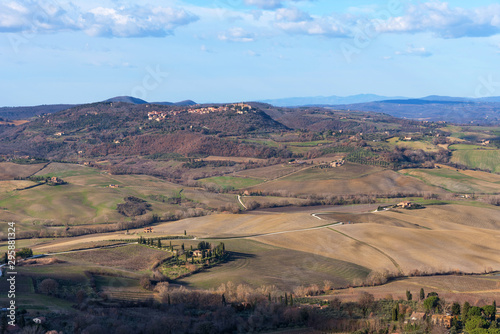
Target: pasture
(231, 182)
(416, 145)
(350, 179)
(87, 199)
(459, 181)
(487, 159)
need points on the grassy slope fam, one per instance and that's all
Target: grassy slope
(87, 198)
(483, 159)
(416, 145)
(231, 181)
(258, 264)
(348, 179)
(457, 180)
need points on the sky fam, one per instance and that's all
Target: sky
(59, 51)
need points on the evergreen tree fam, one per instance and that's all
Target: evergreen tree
(422, 294)
(455, 309)
(291, 300)
(465, 311)
(223, 300)
(395, 313)
(269, 297)
(408, 295)
(286, 299)
(159, 243)
(182, 247)
(184, 232)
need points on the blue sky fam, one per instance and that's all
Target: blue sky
(59, 51)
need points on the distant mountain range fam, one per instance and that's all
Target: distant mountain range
(15, 113)
(326, 100)
(134, 100)
(429, 108)
(366, 98)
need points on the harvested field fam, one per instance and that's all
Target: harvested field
(131, 257)
(9, 170)
(270, 172)
(235, 159)
(258, 264)
(347, 181)
(477, 289)
(8, 186)
(227, 225)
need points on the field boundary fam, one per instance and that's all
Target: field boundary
(398, 267)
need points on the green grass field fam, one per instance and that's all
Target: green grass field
(257, 264)
(87, 199)
(483, 159)
(232, 182)
(458, 147)
(416, 145)
(457, 180)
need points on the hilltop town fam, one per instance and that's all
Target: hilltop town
(239, 108)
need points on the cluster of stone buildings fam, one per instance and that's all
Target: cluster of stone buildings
(240, 108)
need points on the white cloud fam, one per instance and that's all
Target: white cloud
(325, 26)
(445, 21)
(237, 35)
(252, 53)
(414, 51)
(269, 4)
(265, 4)
(133, 21)
(292, 15)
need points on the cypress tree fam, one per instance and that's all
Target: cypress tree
(395, 313)
(408, 295)
(223, 300)
(422, 294)
(291, 300)
(159, 243)
(286, 299)
(465, 311)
